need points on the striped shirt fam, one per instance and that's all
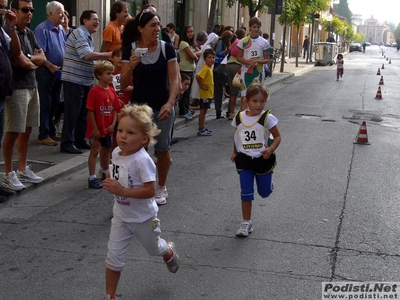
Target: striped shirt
(76, 68)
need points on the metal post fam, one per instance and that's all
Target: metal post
(272, 31)
(310, 50)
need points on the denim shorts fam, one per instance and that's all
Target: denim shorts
(164, 138)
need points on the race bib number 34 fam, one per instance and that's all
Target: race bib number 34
(252, 139)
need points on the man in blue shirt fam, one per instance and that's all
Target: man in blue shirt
(78, 78)
(51, 37)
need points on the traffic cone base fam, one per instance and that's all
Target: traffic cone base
(379, 94)
(362, 136)
(381, 81)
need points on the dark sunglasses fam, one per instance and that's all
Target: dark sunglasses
(25, 10)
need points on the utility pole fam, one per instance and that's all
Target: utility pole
(272, 31)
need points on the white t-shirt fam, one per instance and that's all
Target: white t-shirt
(132, 171)
(250, 136)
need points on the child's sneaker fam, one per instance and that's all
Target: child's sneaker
(12, 182)
(110, 297)
(28, 176)
(161, 195)
(245, 229)
(204, 132)
(174, 262)
(95, 183)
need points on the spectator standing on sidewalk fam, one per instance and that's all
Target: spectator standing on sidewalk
(22, 108)
(205, 42)
(306, 46)
(102, 106)
(189, 54)
(254, 157)
(77, 77)
(156, 82)
(205, 79)
(9, 46)
(222, 50)
(132, 180)
(112, 32)
(232, 67)
(51, 37)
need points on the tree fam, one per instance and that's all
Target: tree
(397, 31)
(298, 13)
(253, 5)
(342, 9)
(210, 22)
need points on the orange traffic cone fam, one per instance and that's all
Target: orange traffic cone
(379, 94)
(379, 72)
(383, 66)
(381, 81)
(362, 136)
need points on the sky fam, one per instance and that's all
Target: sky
(382, 10)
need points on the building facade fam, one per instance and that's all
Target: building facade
(374, 32)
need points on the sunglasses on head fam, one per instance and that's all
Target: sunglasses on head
(25, 10)
(145, 11)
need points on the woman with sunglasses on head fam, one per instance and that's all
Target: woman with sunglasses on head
(155, 81)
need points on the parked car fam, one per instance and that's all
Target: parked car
(355, 47)
(367, 44)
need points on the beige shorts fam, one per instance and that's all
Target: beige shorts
(22, 110)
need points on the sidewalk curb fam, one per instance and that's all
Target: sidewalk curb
(59, 170)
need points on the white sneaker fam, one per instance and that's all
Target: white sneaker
(245, 229)
(12, 182)
(29, 176)
(174, 262)
(161, 196)
(110, 297)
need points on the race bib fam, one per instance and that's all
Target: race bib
(117, 82)
(252, 139)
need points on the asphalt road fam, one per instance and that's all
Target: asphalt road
(332, 217)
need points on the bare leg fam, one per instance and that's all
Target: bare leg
(94, 152)
(232, 104)
(246, 209)
(8, 149)
(22, 146)
(202, 117)
(104, 158)
(112, 279)
(163, 163)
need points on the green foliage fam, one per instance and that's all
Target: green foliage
(397, 32)
(342, 9)
(299, 12)
(358, 37)
(253, 5)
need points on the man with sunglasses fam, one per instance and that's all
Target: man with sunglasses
(22, 108)
(9, 44)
